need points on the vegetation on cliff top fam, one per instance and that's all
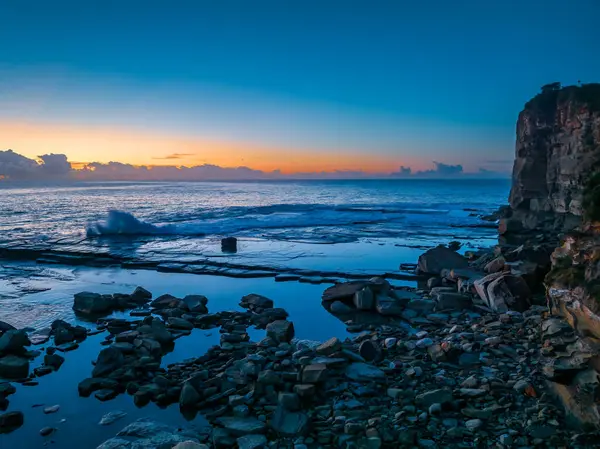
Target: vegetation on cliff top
(553, 94)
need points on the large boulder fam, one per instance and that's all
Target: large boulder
(364, 299)
(256, 302)
(433, 261)
(196, 303)
(109, 360)
(168, 302)
(281, 331)
(14, 367)
(146, 433)
(87, 303)
(502, 292)
(11, 421)
(14, 342)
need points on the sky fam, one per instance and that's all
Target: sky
(290, 87)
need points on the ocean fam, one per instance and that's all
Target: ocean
(309, 211)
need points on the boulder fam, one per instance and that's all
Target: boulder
(180, 323)
(509, 293)
(141, 296)
(433, 261)
(343, 291)
(189, 396)
(87, 303)
(11, 421)
(242, 426)
(339, 308)
(454, 301)
(147, 433)
(109, 360)
(364, 372)
(229, 245)
(54, 361)
(196, 303)
(254, 301)
(252, 442)
(288, 423)
(369, 350)
(14, 342)
(168, 302)
(388, 306)
(281, 331)
(502, 292)
(495, 265)
(14, 367)
(4, 326)
(329, 347)
(364, 299)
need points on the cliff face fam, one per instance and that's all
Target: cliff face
(557, 150)
(554, 189)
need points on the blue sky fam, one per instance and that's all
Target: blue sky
(411, 82)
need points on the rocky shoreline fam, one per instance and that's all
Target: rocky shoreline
(446, 366)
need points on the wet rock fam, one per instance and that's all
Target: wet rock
(168, 302)
(281, 331)
(252, 442)
(289, 423)
(436, 259)
(190, 445)
(87, 303)
(314, 373)
(339, 308)
(229, 245)
(52, 409)
(110, 359)
(241, 426)
(105, 394)
(196, 303)
(180, 323)
(256, 302)
(4, 327)
(112, 417)
(14, 342)
(89, 385)
(364, 372)
(364, 299)
(439, 396)
(329, 347)
(141, 296)
(370, 350)
(189, 397)
(147, 433)
(14, 367)
(388, 306)
(454, 301)
(344, 291)
(46, 431)
(10, 421)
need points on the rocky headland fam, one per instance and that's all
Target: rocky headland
(495, 348)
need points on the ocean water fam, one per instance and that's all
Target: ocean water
(310, 211)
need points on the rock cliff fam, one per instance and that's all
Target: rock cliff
(557, 150)
(556, 189)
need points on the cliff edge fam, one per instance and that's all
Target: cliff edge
(557, 150)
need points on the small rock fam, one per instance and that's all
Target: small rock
(52, 409)
(112, 417)
(47, 431)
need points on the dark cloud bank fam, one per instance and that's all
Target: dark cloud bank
(14, 166)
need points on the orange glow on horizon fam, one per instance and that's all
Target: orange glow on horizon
(86, 144)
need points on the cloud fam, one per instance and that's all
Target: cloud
(175, 156)
(13, 165)
(56, 166)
